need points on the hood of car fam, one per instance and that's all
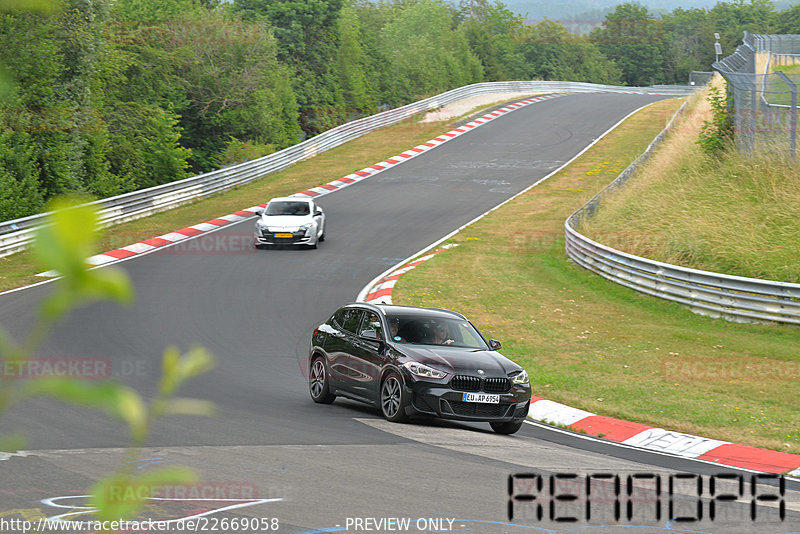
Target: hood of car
(286, 221)
(457, 360)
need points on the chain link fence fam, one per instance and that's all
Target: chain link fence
(763, 74)
(699, 78)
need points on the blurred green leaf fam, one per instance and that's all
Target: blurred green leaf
(177, 368)
(67, 238)
(121, 496)
(185, 407)
(12, 443)
(114, 399)
(109, 283)
(169, 371)
(196, 362)
(63, 244)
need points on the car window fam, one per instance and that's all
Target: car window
(373, 322)
(338, 318)
(352, 319)
(287, 208)
(436, 331)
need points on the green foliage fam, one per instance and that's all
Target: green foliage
(63, 244)
(634, 40)
(351, 63)
(716, 135)
(426, 55)
(493, 34)
(308, 42)
(552, 53)
(101, 98)
(19, 194)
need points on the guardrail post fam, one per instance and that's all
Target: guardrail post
(792, 112)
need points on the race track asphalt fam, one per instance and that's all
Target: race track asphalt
(255, 311)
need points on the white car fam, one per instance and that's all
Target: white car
(290, 221)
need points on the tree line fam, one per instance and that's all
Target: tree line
(102, 97)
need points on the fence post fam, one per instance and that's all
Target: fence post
(792, 111)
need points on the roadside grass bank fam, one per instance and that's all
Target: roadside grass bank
(734, 213)
(599, 346)
(20, 269)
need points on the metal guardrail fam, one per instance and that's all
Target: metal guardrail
(731, 297)
(17, 234)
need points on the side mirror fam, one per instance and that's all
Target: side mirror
(259, 211)
(494, 344)
(318, 212)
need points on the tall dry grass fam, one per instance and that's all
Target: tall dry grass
(735, 213)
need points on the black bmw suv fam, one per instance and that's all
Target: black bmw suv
(416, 361)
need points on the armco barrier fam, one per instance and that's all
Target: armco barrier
(16, 235)
(732, 297)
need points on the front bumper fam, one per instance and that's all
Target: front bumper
(271, 238)
(441, 400)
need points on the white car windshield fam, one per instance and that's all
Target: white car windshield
(434, 331)
(287, 208)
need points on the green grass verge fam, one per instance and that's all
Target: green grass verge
(734, 213)
(20, 269)
(788, 69)
(601, 347)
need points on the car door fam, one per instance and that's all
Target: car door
(340, 347)
(369, 352)
(319, 218)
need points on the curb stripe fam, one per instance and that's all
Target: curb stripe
(119, 253)
(156, 242)
(665, 441)
(753, 458)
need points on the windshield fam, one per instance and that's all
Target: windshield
(287, 208)
(434, 331)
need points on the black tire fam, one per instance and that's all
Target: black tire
(507, 428)
(322, 237)
(318, 385)
(393, 398)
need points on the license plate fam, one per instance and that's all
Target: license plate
(284, 235)
(481, 397)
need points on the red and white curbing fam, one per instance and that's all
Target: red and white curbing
(625, 432)
(660, 440)
(154, 243)
(381, 292)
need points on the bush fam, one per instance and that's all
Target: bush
(716, 135)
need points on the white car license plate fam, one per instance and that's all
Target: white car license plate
(481, 397)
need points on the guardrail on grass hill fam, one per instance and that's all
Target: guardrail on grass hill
(731, 297)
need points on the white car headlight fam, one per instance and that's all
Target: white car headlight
(520, 378)
(423, 371)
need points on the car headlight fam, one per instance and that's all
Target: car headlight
(423, 371)
(260, 224)
(520, 378)
(306, 227)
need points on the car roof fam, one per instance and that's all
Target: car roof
(290, 199)
(391, 309)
